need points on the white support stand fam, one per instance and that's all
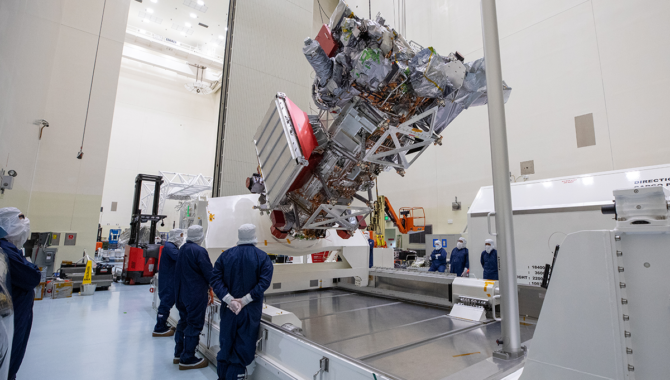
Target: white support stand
(606, 312)
(226, 214)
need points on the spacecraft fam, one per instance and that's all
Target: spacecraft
(382, 102)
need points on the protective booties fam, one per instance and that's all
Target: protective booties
(191, 362)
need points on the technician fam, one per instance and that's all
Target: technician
(23, 277)
(489, 260)
(438, 258)
(460, 259)
(241, 275)
(192, 278)
(166, 291)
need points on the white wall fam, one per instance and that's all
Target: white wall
(158, 125)
(563, 58)
(47, 60)
(266, 58)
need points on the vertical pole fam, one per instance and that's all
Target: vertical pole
(154, 209)
(134, 219)
(217, 184)
(501, 186)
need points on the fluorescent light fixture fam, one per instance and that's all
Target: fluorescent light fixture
(200, 2)
(193, 15)
(188, 25)
(143, 31)
(149, 10)
(587, 181)
(632, 176)
(146, 20)
(221, 37)
(154, 1)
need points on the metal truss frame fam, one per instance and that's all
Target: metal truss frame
(336, 214)
(405, 129)
(177, 186)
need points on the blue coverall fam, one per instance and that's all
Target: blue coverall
(166, 291)
(239, 271)
(371, 243)
(460, 259)
(438, 260)
(490, 264)
(24, 277)
(192, 278)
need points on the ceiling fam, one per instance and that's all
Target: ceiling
(174, 20)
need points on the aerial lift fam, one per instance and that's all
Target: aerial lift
(412, 219)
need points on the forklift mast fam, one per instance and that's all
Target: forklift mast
(137, 217)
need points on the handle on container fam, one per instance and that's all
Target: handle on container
(488, 222)
(493, 309)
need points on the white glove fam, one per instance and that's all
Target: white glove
(246, 300)
(227, 299)
(235, 306)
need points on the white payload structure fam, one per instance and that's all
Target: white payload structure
(546, 211)
(226, 214)
(606, 312)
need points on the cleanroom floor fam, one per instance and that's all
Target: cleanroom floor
(108, 336)
(104, 336)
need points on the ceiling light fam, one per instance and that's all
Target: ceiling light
(221, 37)
(200, 2)
(183, 34)
(188, 25)
(193, 15)
(149, 10)
(154, 1)
(226, 28)
(143, 31)
(146, 20)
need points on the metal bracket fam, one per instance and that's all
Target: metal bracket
(323, 366)
(264, 337)
(500, 354)
(405, 129)
(336, 214)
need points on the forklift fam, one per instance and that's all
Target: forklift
(141, 259)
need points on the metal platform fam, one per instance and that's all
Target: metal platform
(407, 340)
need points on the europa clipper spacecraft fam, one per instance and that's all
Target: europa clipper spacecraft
(383, 101)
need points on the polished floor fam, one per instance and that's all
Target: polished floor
(104, 336)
